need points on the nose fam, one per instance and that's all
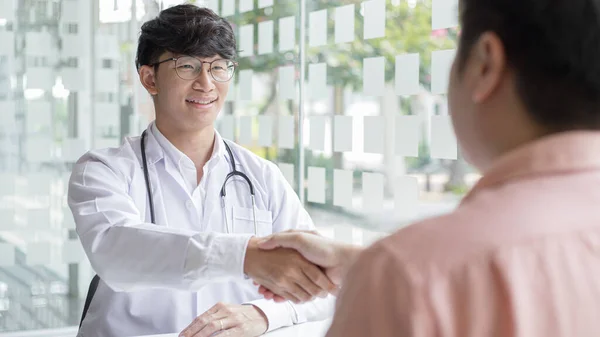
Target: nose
(204, 82)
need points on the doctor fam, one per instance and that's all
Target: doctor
(171, 220)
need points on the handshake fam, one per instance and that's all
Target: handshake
(297, 265)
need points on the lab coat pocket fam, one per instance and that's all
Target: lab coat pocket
(243, 221)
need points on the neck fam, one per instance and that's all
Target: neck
(197, 144)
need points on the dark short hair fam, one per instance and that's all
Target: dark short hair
(553, 48)
(186, 30)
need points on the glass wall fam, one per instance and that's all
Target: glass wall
(347, 97)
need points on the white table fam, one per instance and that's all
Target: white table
(312, 329)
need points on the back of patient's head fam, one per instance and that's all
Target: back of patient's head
(185, 30)
(553, 47)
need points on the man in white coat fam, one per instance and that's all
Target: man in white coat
(170, 220)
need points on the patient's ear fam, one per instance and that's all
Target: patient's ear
(488, 65)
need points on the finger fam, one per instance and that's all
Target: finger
(318, 277)
(199, 322)
(278, 299)
(218, 325)
(298, 291)
(309, 285)
(236, 331)
(287, 240)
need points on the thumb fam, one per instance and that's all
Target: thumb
(268, 243)
(285, 240)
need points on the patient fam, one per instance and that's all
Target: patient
(521, 255)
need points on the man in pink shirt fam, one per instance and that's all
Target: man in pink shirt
(520, 256)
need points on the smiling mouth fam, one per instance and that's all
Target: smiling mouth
(201, 102)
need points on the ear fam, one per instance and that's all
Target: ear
(148, 79)
(488, 66)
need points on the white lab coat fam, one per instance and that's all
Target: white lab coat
(156, 278)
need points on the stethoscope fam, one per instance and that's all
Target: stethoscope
(223, 193)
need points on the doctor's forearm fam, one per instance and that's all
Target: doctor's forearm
(144, 256)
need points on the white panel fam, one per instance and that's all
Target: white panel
(69, 11)
(68, 221)
(232, 93)
(7, 115)
(104, 143)
(213, 5)
(342, 133)
(342, 188)
(407, 74)
(317, 77)
(7, 219)
(7, 40)
(72, 252)
(39, 116)
(265, 3)
(245, 85)
(343, 233)
(317, 133)
(374, 134)
(265, 131)
(288, 172)
(406, 196)
(227, 8)
(246, 130)
(373, 76)
(40, 78)
(246, 5)
(285, 137)
(441, 63)
(7, 10)
(287, 33)
(316, 185)
(107, 47)
(444, 14)
(72, 46)
(407, 136)
(287, 82)
(39, 150)
(38, 253)
(38, 219)
(317, 28)
(8, 183)
(443, 141)
(344, 24)
(107, 116)
(374, 19)
(107, 80)
(7, 255)
(73, 149)
(227, 127)
(265, 37)
(74, 79)
(38, 43)
(246, 40)
(38, 184)
(372, 191)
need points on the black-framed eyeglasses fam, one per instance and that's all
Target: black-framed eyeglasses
(189, 68)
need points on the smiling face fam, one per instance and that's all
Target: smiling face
(185, 104)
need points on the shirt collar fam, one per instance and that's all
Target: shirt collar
(176, 156)
(555, 154)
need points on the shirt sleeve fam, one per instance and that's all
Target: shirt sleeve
(380, 299)
(129, 254)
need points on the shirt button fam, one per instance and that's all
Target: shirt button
(189, 204)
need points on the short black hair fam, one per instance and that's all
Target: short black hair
(554, 48)
(186, 30)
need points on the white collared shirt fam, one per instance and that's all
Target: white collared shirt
(156, 278)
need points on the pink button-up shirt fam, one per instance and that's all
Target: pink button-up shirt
(520, 257)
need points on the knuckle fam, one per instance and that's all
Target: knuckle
(220, 305)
